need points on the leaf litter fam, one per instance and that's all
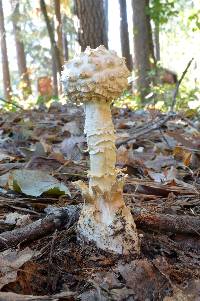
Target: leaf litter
(42, 153)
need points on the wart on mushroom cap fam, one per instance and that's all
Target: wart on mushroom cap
(95, 78)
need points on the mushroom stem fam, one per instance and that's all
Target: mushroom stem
(101, 144)
(105, 219)
(100, 134)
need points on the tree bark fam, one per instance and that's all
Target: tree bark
(66, 50)
(21, 57)
(58, 29)
(92, 30)
(142, 46)
(125, 35)
(54, 76)
(4, 55)
(150, 34)
(106, 16)
(157, 41)
(55, 49)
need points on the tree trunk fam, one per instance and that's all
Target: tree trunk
(21, 57)
(54, 75)
(92, 31)
(66, 50)
(150, 35)
(106, 16)
(58, 29)
(4, 55)
(125, 35)
(55, 49)
(142, 46)
(157, 41)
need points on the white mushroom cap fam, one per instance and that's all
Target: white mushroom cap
(96, 74)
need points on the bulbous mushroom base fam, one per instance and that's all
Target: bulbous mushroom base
(114, 232)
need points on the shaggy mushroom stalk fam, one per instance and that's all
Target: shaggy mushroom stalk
(95, 78)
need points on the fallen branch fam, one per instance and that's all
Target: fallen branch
(165, 222)
(178, 85)
(151, 126)
(58, 219)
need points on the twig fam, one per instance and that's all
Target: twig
(21, 209)
(165, 139)
(71, 174)
(147, 129)
(178, 85)
(10, 103)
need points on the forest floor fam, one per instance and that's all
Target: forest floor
(43, 152)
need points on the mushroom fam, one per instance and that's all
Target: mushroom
(95, 78)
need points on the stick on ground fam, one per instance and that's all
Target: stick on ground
(62, 218)
(165, 222)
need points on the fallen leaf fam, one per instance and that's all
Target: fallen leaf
(157, 176)
(190, 293)
(39, 150)
(71, 147)
(73, 127)
(43, 163)
(159, 162)
(10, 262)
(137, 280)
(4, 180)
(15, 218)
(35, 183)
(4, 157)
(183, 154)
